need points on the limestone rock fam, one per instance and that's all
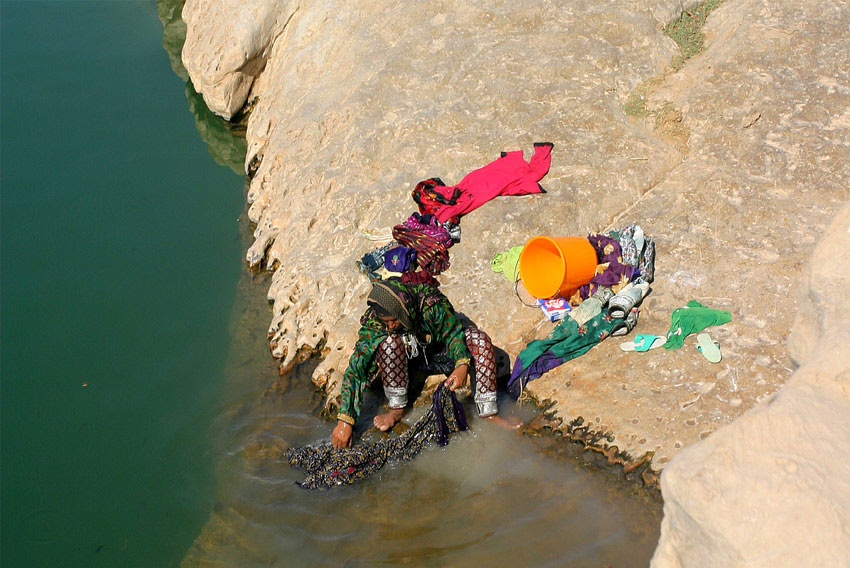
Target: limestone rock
(226, 45)
(736, 222)
(773, 487)
(360, 100)
(736, 166)
(736, 169)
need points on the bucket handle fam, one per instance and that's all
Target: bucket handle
(516, 292)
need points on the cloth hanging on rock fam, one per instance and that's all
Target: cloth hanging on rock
(508, 175)
(690, 319)
(327, 467)
(399, 259)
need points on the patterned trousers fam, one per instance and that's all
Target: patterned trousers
(395, 373)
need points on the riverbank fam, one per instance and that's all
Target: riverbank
(733, 160)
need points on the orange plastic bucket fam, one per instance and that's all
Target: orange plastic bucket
(550, 266)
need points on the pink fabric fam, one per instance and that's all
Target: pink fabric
(436, 231)
(509, 175)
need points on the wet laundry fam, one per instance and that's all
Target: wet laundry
(692, 318)
(326, 467)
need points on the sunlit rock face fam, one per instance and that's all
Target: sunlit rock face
(357, 101)
(773, 487)
(735, 163)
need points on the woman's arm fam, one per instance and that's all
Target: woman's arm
(354, 381)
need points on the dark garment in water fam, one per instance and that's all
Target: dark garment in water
(327, 467)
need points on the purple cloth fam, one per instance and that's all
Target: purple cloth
(520, 377)
(443, 428)
(399, 259)
(430, 227)
(616, 270)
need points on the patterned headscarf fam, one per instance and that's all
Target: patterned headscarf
(388, 299)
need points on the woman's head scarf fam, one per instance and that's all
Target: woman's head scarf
(388, 298)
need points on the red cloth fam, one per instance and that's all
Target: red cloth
(509, 175)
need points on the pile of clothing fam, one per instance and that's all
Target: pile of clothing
(606, 306)
(419, 249)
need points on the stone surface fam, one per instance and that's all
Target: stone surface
(351, 114)
(226, 46)
(736, 169)
(773, 487)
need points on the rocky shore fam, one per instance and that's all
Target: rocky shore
(733, 159)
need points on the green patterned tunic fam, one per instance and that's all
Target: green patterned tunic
(432, 315)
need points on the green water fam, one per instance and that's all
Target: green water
(143, 420)
(120, 261)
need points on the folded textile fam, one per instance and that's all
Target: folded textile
(692, 318)
(431, 255)
(399, 259)
(327, 467)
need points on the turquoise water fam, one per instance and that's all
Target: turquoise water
(120, 261)
(143, 420)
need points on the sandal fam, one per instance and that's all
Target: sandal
(625, 300)
(709, 348)
(643, 342)
(625, 326)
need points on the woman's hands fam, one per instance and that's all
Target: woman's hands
(458, 377)
(341, 436)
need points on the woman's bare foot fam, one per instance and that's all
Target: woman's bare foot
(384, 422)
(512, 423)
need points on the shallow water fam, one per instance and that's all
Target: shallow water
(491, 497)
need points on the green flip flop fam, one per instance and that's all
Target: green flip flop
(643, 342)
(709, 348)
